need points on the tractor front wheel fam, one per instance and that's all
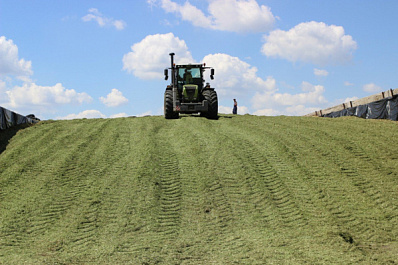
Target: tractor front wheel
(211, 97)
(168, 106)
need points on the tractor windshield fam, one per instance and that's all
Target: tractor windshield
(193, 72)
(189, 76)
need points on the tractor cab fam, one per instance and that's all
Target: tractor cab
(189, 81)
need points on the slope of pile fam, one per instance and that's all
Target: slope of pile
(241, 189)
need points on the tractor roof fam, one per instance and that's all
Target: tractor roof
(189, 65)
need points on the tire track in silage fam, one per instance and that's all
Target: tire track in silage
(325, 182)
(70, 182)
(62, 185)
(277, 191)
(168, 187)
(221, 187)
(369, 181)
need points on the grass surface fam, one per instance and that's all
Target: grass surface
(238, 190)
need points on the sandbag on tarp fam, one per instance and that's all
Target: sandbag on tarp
(377, 110)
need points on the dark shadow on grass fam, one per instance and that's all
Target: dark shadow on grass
(7, 134)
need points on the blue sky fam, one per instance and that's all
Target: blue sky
(90, 59)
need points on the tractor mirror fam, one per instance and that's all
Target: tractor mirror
(212, 74)
(166, 74)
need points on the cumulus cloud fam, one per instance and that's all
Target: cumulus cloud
(119, 115)
(150, 56)
(349, 99)
(87, 114)
(92, 114)
(30, 94)
(228, 110)
(267, 112)
(10, 64)
(228, 15)
(294, 104)
(146, 113)
(114, 99)
(187, 12)
(320, 72)
(372, 88)
(311, 42)
(234, 76)
(102, 21)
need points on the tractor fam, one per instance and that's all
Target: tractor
(188, 92)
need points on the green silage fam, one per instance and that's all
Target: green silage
(240, 189)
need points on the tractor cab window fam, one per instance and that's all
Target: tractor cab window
(188, 75)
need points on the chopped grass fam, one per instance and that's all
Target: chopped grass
(240, 189)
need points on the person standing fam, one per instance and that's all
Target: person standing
(235, 110)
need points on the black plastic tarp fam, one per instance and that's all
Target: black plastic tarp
(392, 109)
(9, 118)
(2, 120)
(382, 109)
(361, 111)
(377, 110)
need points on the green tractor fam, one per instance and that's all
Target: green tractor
(187, 92)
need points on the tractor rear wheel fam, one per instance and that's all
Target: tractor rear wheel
(168, 106)
(211, 97)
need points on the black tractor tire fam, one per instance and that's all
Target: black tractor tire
(211, 97)
(168, 106)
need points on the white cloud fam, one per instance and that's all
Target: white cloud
(147, 113)
(267, 112)
(346, 100)
(103, 21)
(229, 15)
(299, 110)
(234, 76)
(294, 104)
(228, 110)
(114, 99)
(372, 88)
(119, 115)
(10, 64)
(30, 94)
(346, 83)
(91, 114)
(88, 114)
(311, 42)
(149, 57)
(224, 109)
(187, 12)
(320, 72)
(241, 16)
